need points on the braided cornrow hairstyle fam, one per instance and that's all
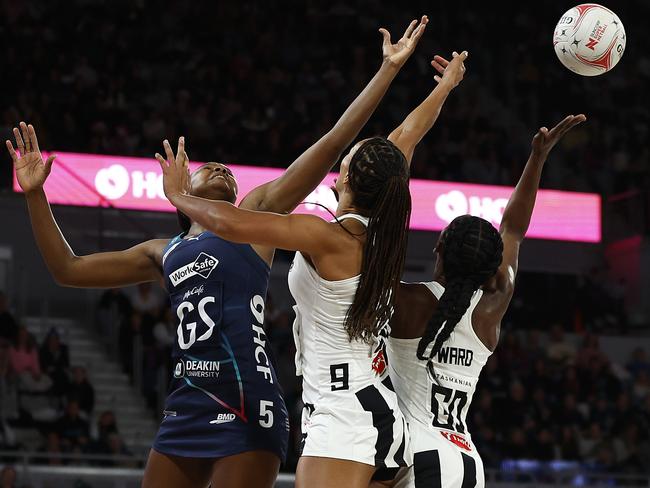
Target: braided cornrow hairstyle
(471, 250)
(379, 179)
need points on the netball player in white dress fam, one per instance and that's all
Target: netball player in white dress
(443, 332)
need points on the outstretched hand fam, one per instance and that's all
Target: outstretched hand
(399, 52)
(31, 171)
(546, 139)
(175, 169)
(451, 72)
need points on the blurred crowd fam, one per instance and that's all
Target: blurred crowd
(562, 402)
(257, 82)
(40, 390)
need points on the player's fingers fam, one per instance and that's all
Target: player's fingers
(20, 144)
(418, 34)
(49, 162)
(463, 56)
(437, 78)
(12, 151)
(32, 137)
(386, 35)
(442, 61)
(181, 147)
(576, 120)
(25, 134)
(411, 27)
(562, 125)
(168, 151)
(161, 161)
(438, 67)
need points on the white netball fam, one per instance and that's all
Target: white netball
(589, 39)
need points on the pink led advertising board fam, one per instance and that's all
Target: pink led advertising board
(136, 183)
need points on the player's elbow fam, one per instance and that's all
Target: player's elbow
(514, 232)
(68, 273)
(63, 277)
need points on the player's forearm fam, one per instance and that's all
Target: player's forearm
(54, 248)
(356, 116)
(422, 118)
(216, 216)
(519, 210)
(307, 172)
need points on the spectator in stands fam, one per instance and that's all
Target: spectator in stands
(24, 362)
(517, 445)
(590, 353)
(568, 445)
(113, 311)
(147, 300)
(571, 383)
(129, 331)
(106, 424)
(518, 410)
(81, 390)
(55, 361)
(641, 386)
(627, 449)
(542, 447)
(53, 449)
(8, 390)
(114, 446)
(72, 429)
(590, 442)
(108, 441)
(569, 414)
(559, 350)
(8, 477)
(8, 325)
(605, 460)
(639, 362)
(164, 331)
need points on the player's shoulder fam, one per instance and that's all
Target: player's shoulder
(414, 304)
(155, 248)
(415, 295)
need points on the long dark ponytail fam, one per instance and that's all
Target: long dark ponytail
(471, 250)
(378, 177)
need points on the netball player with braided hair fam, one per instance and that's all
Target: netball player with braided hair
(443, 331)
(229, 429)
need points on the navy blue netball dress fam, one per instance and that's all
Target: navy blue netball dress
(224, 397)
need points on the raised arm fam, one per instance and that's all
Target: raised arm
(283, 194)
(109, 269)
(518, 211)
(419, 121)
(236, 224)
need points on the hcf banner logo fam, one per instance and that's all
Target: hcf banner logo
(136, 183)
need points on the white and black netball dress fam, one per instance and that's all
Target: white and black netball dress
(350, 408)
(224, 397)
(435, 401)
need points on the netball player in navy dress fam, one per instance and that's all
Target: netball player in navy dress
(225, 421)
